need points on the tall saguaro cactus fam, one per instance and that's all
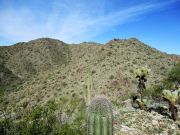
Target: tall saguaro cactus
(99, 117)
(88, 91)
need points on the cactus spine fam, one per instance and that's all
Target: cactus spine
(99, 117)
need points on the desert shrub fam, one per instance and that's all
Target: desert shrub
(55, 94)
(148, 92)
(93, 71)
(1, 91)
(64, 84)
(109, 53)
(64, 99)
(69, 129)
(73, 94)
(58, 89)
(42, 120)
(135, 62)
(174, 74)
(111, 77)
(155, 90)
(25, 104)
(51, 105)
(169, 82)
(131, 71)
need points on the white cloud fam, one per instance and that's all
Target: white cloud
(70, 21)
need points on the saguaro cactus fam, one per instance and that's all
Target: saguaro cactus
(99, 117)
(89, 89)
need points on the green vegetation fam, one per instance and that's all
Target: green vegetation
(174, 75)
(7, 79)
(99, 117)
(172, 98)
(141, 74)
(169, 82)
(50, 69)
(159, 90)
(41, 120)
(88, 91)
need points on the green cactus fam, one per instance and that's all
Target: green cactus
(172, 98)
(142, 104)
(99, 117)
(141, 74)
(89, 89)
(144, 71)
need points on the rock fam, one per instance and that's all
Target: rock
(155, 122)
(173, 126)
(125, 130)
(127, 104)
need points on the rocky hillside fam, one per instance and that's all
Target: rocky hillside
(27, 59)
(24, 60)
(130, 121)
(55, 75)
(51, 68)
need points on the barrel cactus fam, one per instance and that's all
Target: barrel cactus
(99, 117)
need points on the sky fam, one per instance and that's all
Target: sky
(154, 22)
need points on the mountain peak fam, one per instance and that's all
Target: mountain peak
(118, 40)
(46, 41)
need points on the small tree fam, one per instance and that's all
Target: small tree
(172, 98)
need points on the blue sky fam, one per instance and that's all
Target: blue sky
(154, 22)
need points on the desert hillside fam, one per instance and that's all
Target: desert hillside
(50, 68)
(36, 72)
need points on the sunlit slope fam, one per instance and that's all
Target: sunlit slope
(53, 69)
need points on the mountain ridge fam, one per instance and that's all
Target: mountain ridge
(43, 39)
(52, 68)
(44, 72)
